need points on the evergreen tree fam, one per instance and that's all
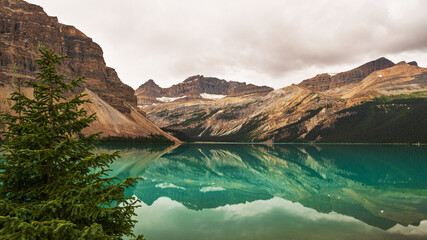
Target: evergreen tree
(52, 185)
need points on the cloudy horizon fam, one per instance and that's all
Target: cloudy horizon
(273, 43)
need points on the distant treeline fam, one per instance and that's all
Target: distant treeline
(384, 120)
(150, 139)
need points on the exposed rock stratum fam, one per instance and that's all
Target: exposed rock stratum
(23, 26)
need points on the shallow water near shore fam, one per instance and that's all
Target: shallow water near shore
(278, 191)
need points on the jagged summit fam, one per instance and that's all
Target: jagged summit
(196, 87)
(413, 63)
(149, 83)
(324, 82)
(193, 78)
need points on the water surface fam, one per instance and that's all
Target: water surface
(279, 191)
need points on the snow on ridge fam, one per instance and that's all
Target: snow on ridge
(168, 99)
(212, 96)
(202, 95)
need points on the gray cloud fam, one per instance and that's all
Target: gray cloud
(265, 42)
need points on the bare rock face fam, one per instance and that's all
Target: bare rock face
(193, 86)
(148, 92)
(318, 83)
(324, 82)
(23, 26)
(413, 63)
(112, 122)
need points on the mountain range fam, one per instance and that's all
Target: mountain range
(24, 26)
(378, 101)
(196, 87)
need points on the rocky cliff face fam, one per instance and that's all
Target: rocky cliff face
(23, 26)
(194, 86)
(324, 82)
(111, 122)
(148, 92)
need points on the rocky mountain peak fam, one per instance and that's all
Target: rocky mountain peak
(150, 83)
(148, 92)
(413, 63)
(193, 78)
(196, 87)
(20, 6)
(23, 26)
(324, 82)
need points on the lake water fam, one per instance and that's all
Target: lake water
(278, 191)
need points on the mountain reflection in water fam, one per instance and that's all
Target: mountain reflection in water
(371, 187)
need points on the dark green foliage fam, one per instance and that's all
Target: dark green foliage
(242, 135)
(152, 148)
(211, 113)
(162, 113)
(51, 184)
(231, 113)
(172, 116)
(387, 99)
(150, 139)
(196, 117)
(388, 119)
(182, 135)
(382, 99)
(292, 109)
(292, 132)
(228, 115)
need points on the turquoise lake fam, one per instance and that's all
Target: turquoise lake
(278, 191)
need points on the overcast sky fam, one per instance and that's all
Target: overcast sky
(265, 42)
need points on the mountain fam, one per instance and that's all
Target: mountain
(324, 82)
(299, 114)
(196, 87)
(23, 26)
(387, 106)
(403, 78)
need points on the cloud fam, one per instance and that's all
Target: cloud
(263, 42)
(276, 218)
(211, 189)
